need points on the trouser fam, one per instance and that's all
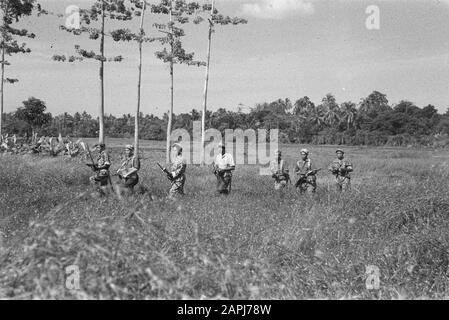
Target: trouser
(343, 184)
(130, 182)
(177, 188)
(98, 180)
(280, 185)
(308, 183)
(99, 183)
(224, 184)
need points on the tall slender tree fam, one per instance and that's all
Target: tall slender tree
(139, 82)
(12, 11)
(100, 12)
(179, 12)
(214, 18)
(140, 8)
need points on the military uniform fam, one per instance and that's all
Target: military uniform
(131, 164)
(341, 169)
(280, 172)
(301, 169)
(101, 176)
(177, 170)
(224, 176)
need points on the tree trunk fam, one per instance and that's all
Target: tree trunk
(170, 112)
(101, 110)
(206, 85)
(2, 85)
(136, 120)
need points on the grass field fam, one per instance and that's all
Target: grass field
(252, 244)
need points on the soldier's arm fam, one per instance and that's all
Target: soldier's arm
(136, 164)
(107, 162)
(134, 169)
(349, 167)
(231, 164)
(180, 170)
(309, 166)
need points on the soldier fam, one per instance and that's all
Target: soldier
(341, 169)
(177, 172)
(128, 171)
(223, 167)
(280, 172)
(101, 168)
(306, 173)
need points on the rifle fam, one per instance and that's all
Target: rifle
(304, 177)
(95, 168)
(92, 165)
(118, 173)
(218, 173)
(169, 176)
(277, 177)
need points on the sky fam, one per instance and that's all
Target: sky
(288, 49)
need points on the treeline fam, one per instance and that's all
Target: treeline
(373, 121)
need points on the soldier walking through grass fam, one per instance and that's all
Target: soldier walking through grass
(279, 171)
(223, 167)
(306, 173)
(177, 172)
(101, 178)
(128, 172)
(341, 169)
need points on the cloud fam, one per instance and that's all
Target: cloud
(277, 9)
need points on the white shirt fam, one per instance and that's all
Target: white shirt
(224, 161)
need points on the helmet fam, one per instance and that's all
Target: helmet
(129, 147)
(339, 150)
(305, 151)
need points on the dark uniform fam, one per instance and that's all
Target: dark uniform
(303, 167)
(128, 172)
(280, 172)
(341, 169)
(101, 177)
(223, 166)
(178, 170)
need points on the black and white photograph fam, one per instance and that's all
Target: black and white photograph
(224, 155)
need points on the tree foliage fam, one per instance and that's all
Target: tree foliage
(12, 11)
(402, 124)
(33, 113)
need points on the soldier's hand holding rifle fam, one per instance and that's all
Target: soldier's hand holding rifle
(92, 164)
(303, 176)
(168, 173)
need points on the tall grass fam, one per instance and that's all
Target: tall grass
(253, 244)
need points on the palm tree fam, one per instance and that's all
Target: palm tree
(348, 112)
(304, 107)
(331, 110)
